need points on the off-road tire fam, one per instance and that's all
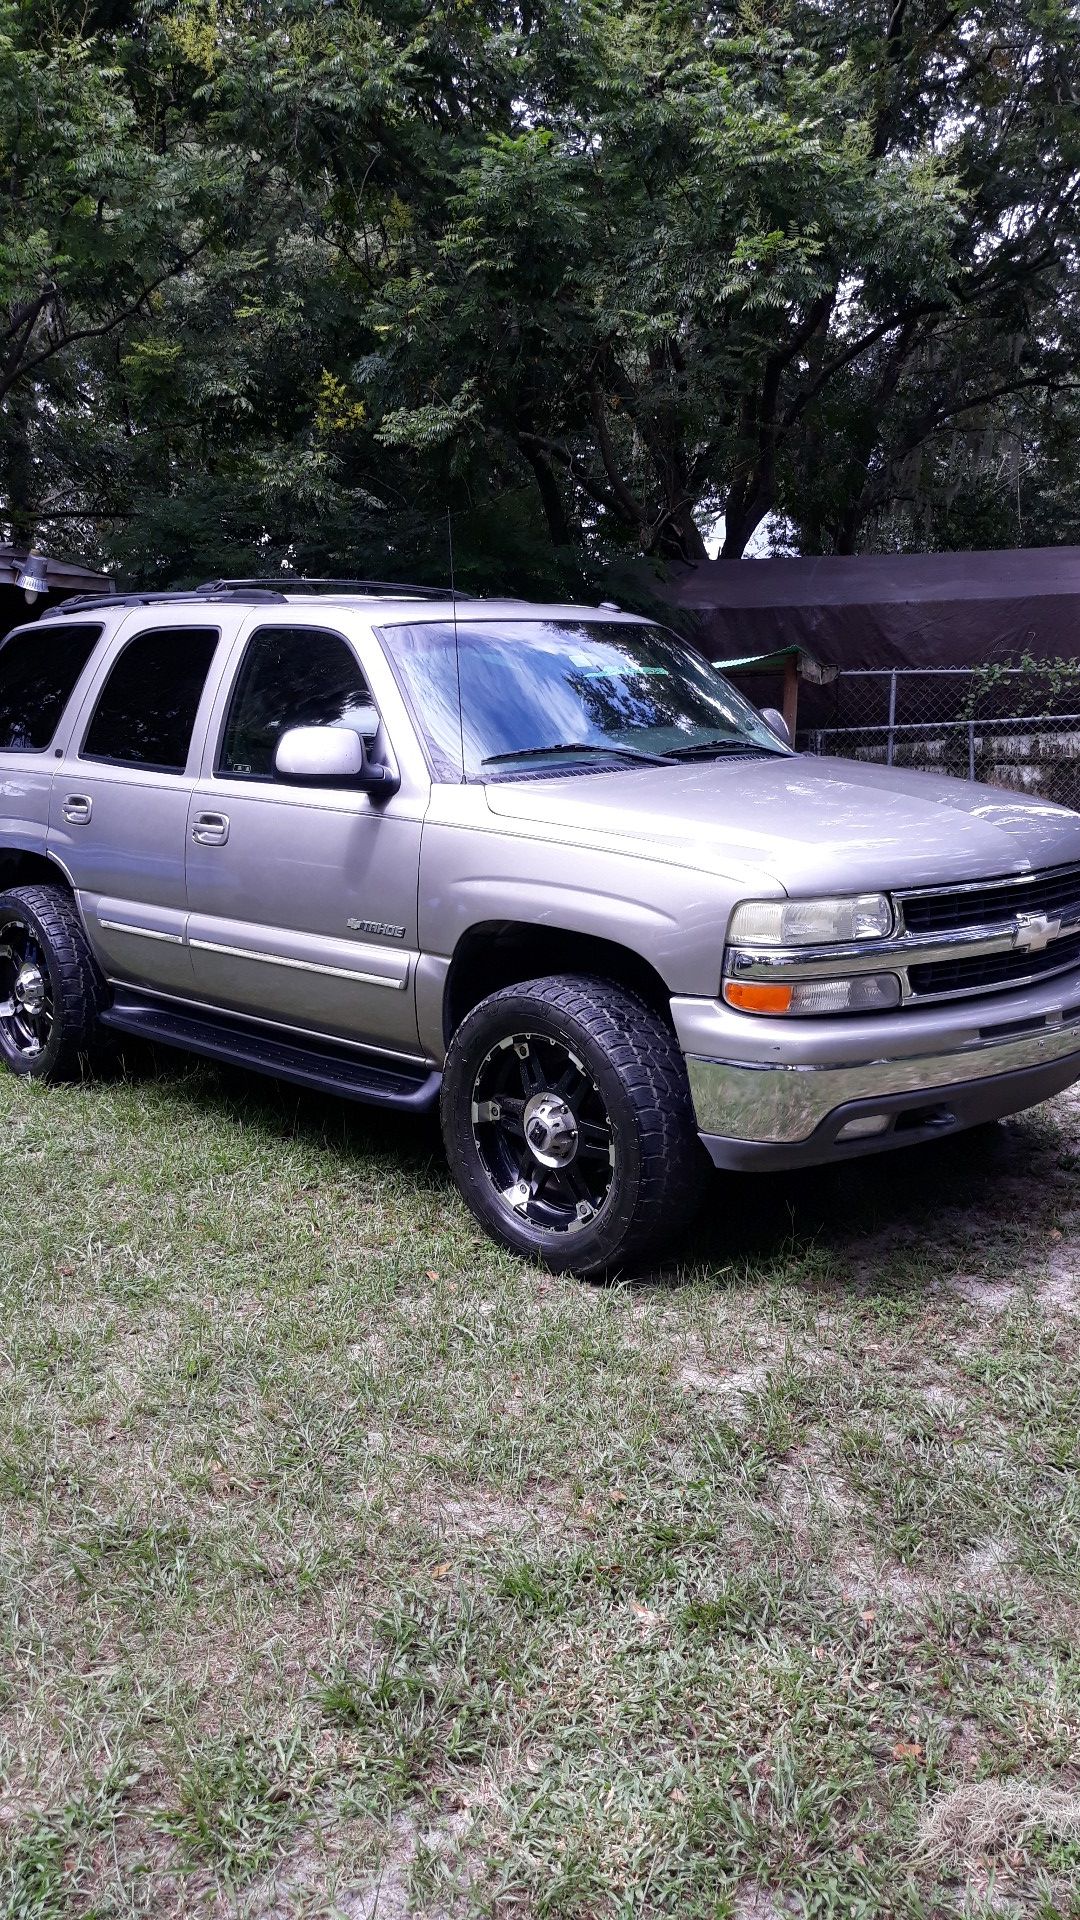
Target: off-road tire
(77, 987)
(631, 1056)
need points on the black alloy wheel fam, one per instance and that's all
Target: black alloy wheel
(543, 1132)
(51, 990)
(26, 996)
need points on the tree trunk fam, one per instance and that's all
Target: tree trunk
(18, 474)
(679, 538)
(741, 522)
(550, 497)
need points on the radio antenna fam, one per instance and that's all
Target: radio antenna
(457, 646)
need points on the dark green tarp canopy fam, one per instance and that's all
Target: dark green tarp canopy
(886, 610)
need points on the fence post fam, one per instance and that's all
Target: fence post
(971, 749)
(892, 717)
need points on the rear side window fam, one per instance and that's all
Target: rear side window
(38, 672)
(289, 677)
(146, 714)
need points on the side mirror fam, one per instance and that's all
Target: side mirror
(330, 757)
(776, 723)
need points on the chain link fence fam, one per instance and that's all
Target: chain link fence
(1015, 727)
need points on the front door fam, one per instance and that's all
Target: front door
(120, 801)
(303, 899)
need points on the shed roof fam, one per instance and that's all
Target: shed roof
(63, 576)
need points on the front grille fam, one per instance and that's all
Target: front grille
(1056, 893)
(993, 969)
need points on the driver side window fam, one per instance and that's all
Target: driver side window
(289, 677)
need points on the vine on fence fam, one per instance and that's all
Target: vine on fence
(1037, 688)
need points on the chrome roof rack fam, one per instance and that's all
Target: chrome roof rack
(383, 589)
(277, 589)
(168, 597)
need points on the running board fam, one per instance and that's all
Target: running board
(349, 1077)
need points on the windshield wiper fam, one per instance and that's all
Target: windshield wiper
(578, 746)
(721, 746)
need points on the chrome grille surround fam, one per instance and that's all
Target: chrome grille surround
(1051, 890)
(930, 965)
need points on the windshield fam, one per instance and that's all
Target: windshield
(546, 695)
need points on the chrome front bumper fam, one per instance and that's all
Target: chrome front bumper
(772, 1103)
(783, 1098)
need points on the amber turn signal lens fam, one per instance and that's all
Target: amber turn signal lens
(749, 997)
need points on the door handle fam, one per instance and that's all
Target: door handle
(78, 808)
(210, 829)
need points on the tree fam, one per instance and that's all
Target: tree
(107, 201)
(932, 402)
(760, 270)
(586, 275)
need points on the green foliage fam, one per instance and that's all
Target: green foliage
(1026, 688)
(280, 284)
(235, 1805)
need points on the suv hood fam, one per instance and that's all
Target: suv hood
(813, 825)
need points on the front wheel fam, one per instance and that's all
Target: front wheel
(50, 989)
(568, 1123)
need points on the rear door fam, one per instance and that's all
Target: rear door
(121, 795)
(303, 899)
(40, 668)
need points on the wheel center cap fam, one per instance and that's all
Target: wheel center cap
(30, 988)
(551, 1130)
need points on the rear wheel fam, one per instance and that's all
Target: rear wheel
(50, 988)
(568, 1123)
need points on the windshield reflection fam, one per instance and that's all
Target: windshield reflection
(540, 695)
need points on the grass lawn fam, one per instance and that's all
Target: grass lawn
(349, 1567)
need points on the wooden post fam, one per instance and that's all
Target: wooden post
(791, 693)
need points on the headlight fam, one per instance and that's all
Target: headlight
(810, 923)
(862, 993)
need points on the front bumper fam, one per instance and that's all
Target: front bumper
(764, 1099)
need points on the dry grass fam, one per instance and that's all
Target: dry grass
(997, 1816)
(350, 1568)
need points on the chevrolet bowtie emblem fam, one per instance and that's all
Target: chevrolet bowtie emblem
(1034, 932)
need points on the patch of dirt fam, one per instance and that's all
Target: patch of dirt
(298, 1885)
(1061, 1288)
(753, 1903)
(872, 1254)
(966, 1746)
(699, 1377)
(803, 1482)
(986, 1296)
(861, 1580)
(374, 1347)
(989, 1568)
(985, 1566)
(478, 1513)
(388, 1896)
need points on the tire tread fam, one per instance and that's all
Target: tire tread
(645, 1054)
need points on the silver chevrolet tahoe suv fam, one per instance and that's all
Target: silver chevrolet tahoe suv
(540, 864)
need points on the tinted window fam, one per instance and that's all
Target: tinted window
(290, 677)
(38, 671)
(146, 713)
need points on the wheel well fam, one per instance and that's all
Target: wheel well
(501, 952)
(25, 869)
